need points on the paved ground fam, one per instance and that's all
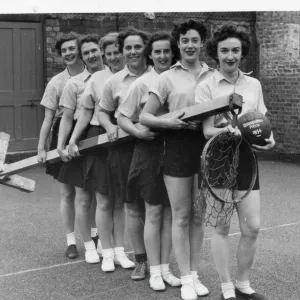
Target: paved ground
(33, 266)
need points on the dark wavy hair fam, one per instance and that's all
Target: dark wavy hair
(183, 27)
(224, 32)
(65, 37)
(88, 38)
(131, 31)
(161, 36)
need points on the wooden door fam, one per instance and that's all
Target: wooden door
(21, 83)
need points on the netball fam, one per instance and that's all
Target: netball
(255, 127)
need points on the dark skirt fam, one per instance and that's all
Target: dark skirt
(145, 180)
(118, 165)
(95, 165)
(71, 172)
(182, 151)
(53, 168)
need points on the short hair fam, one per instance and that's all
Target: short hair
(131, 31)
(109, 39)
(88, 38)
(224, 32)
(161, 36)
(65, 37)
(182, 28)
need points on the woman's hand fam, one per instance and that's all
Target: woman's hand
(73, 150)
(270, 144)
(176, 123)
(64, 155)
(233, 130)
(195, 125)
(42, 156)
(112, 133)
(146, 134)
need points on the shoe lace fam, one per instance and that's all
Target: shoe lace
(168, 275)
(156, 277)
(138, 267)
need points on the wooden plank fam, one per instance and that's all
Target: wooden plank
(195, 112)
(4, 139)
(18, 182)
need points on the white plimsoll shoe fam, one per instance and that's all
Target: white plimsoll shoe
(124, 261)
(172, 280)
(108, 264)
(188, 291)
(92, 257)
(200, 288)
(157, 283)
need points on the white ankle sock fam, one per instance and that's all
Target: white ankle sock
(71, 240)
(94, 232)
(228, 290)
(186, 279)
(164, 268)
(155, 270)
(108, 252)
(194, 274)
(89, 246)
(119, 250)
(244, 287)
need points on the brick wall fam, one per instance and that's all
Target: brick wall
(55, 24)
(278, 35)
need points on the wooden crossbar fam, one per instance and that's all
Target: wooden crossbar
(195, 112)
(18, 182)
(14, 181)
(4, 140)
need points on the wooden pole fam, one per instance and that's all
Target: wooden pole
(195, 112)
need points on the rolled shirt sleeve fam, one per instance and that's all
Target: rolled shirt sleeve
(161, 88)
(68, 98)
(51, 97)
(107, 101)
(260, 103)
(89, 97)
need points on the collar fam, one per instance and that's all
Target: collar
(220, 77)
(127, 72)
(86, 74)
(178, 65)
(204, 66)
(108, 70)
(66, 73)
(154, 71)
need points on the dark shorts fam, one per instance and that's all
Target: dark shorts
(182, 151)
(95, 165)
(145, 180)
(72, 172)
(118, 165)
(53, 168)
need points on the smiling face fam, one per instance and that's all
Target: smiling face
(161, 55)
(229, 55)
(69, 52)
(133, 51)
(190, 45)
(114, 58)
(91, 55)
